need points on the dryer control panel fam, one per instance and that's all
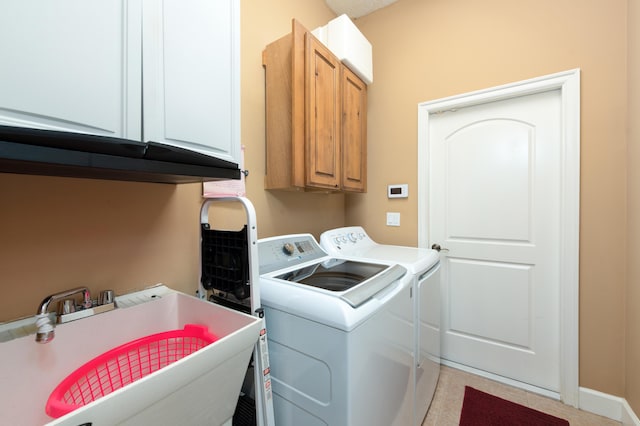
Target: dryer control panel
(348, 241)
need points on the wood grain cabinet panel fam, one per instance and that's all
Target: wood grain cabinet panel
(322, 145)
(315, 117)
(354, 132)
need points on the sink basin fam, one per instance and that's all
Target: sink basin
(201, 388)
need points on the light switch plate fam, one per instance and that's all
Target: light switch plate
(393, 219)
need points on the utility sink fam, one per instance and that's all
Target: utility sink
(201, 388)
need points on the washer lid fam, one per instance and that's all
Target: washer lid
(356, 282)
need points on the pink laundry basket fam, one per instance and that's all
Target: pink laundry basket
(123, 365)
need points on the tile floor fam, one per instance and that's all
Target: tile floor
(447, 401)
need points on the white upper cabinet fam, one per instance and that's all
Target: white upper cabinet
(150, 70)
(191, 84)
(71, 65)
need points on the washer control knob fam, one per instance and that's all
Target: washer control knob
(288, 249)
(352, 237)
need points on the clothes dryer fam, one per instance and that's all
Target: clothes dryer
(424, 267)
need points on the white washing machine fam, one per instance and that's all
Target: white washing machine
(340, 342)
(424, 267)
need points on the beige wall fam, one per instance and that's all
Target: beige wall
(279, 212)
(57, 233)
(425, 50)
(632, 340)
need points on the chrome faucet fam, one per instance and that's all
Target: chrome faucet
(46, 331)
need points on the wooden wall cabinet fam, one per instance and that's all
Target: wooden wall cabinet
(315, 117)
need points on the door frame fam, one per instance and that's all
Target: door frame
(568, 83)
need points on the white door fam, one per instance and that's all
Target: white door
(495, 173)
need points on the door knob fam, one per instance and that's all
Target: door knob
(437, 247)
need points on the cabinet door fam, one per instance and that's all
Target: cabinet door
(322, 146)
(354, 132)
(191, 75)
(71, 65)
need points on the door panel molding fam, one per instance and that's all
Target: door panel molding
(568, 83)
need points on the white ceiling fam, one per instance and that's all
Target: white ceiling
(357, 8)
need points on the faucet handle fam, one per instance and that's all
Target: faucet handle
(66, 306)
(87, 303)
(106, 297)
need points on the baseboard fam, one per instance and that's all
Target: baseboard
(609, 406)
(501, 379)
(629, 418)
